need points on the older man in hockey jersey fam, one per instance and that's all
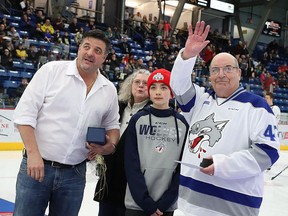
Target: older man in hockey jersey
(230, 126)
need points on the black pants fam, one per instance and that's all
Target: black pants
(130, 212)
(108, 209)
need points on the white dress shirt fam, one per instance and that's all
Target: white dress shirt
(56, 106)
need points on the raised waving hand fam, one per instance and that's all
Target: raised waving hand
(196, 40)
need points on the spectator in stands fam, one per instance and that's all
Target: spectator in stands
(32, 54)
(25, 41)
(66, 41)
(238, 49)
(57, 37)
(158, 44)
(116, 33)
(140, 64)
(229, 47)
(126, 21)
(108, 33)
(124, 46)
(6, 60)
(258, 70)
(74, 26)
(109, 56)
(149, 56)
(145, 25)
(47, 36)
(130, 66)
(26, 23)
(30, 14)
(269, 83)
(9, 45)
(41, 52)
(5, 23)
(166, 48)
(243, 65)
(21, 88)
(166, 29)
(40, 18)
(283, 68)
(265, 58)
(21, 52)
(79, 35)
(91, 24)
(47, 26)
(58, 23)
(137, 19)
(159, 60)
(14, 35)
(133, 96)
(2, 32)
(208, 54)
(160, 28)
(113, 62)
(49, 134)
(56, 50)
(283, 79)
(269, 97)
(37, 33)
(66, 38)
(168, 62)
(273, 45)
(262, 76)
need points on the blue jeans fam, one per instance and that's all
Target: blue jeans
(62, 188)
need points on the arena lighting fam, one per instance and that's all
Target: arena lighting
(203, 3)
(175, 3)
(222, 6)
(189, 3)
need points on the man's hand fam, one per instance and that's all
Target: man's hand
(95, 148)
(209, 170)
(35, 166)
(196, 41)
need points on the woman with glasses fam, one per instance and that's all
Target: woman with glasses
(133, 96)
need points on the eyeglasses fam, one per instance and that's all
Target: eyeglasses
(228, 69)
(139, 82)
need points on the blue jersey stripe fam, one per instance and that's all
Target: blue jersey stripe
(219, 192)
(270, 151)
(187, 107)
(255, 100)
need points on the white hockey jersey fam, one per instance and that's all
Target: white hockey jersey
(240, 133)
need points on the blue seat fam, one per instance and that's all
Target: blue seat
(11, 84)
(13, 73)
(18, 64)
(3, 73)
(73, 48)
(29, 65)
(72, 55)
(25, 74)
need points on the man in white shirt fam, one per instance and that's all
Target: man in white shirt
(62, 100)
(269, 97)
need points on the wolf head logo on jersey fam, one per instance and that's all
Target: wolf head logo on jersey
(205, 133)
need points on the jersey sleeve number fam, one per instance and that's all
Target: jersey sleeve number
(270, 132)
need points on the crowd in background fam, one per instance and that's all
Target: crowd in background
(145, 43)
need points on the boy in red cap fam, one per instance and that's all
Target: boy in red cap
(155, 140)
